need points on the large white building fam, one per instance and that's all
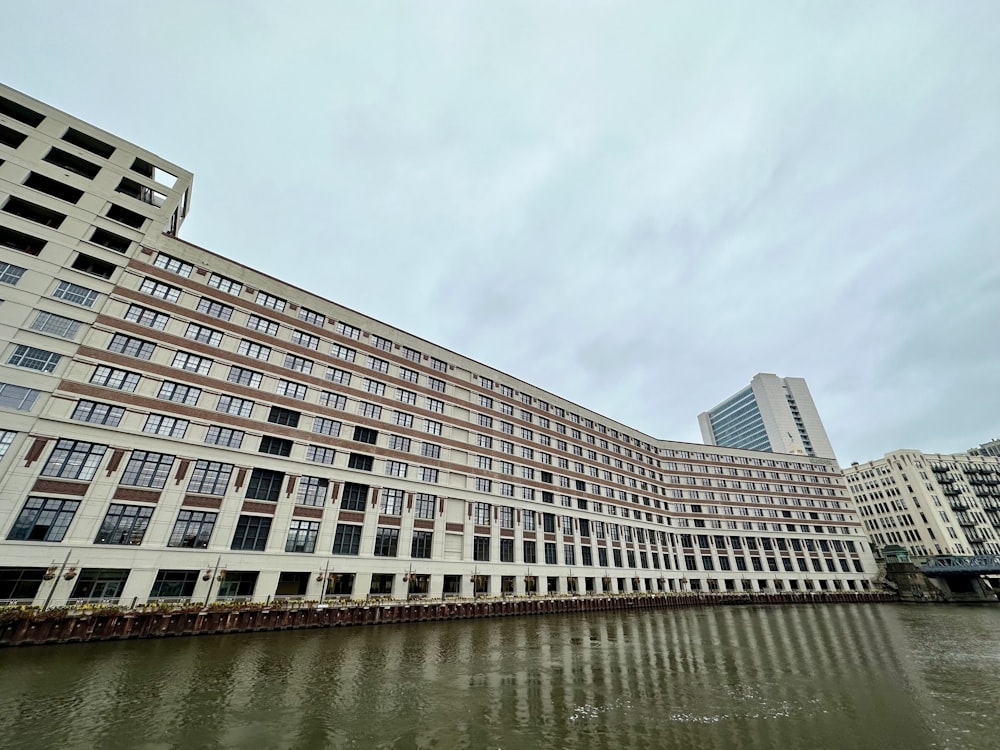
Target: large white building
(178, 425)
(771, 414)
(930, 503)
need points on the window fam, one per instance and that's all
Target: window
(263, 325)
(218, 310)
(89, 264)
(343, 352)
(530, 555)
(174, 584)
(325, 426)
(224, 436)
(395, 469)
(411, 354)
(410, 376)
(252, 349)
(97, 413)
(17, 397)
(203, 334)
(109, 377)
(507, 550)
(192, 529)
(243, 376)
(239, 407)
(78, 295)
(372, 411)
(310, 316)
(435, 405)
(365, 435)
(160, 290)
(161, 424)
(333, 400)
(528, 519)
(355, 496)
(264, 484)
(439, 365)
(320, 454)
(420, 547)
(506, 517)
(290, 389)
(174, 265)
(74, 459)
(224, 284)
(483, 485)
(360, 462)
(275, 446)
(391, 502)
(179, 393)
(481, 548)
(251, 533)
(430, 450)
(131, 346)
(349, 331)
(399, 443)
(425, 474)
(299, 364)
(56, 325)
(436, 384)
(312, 490)
(43, 519)
(407, 397)
(210, 478)
(423, 505)
(124, 524)
(302, 536)
(375, 387)
(6, 438)
(147, 469)
(431, 427)
(379, 365)
(34, 359)
(347, 540)
(386, 542)
(192, 363)
(481, 514)
(338, 376)
(380, 343)
(305, 339)
(148, 317)
(403, 419)
(269, 300)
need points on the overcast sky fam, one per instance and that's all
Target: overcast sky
(634, 205)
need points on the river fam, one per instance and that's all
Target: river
(820, 676)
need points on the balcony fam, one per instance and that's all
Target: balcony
(959, 504)
(939, 468)
(951, 491)
(964, 520)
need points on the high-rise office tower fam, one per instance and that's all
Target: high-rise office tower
(771, 414)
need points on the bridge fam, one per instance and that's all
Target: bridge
(961, 565)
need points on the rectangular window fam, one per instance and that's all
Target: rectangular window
(343, 352)
(74, 459)
(192, 363)
(148, 317)
(224, 436)
(430, 450)
(399, 443)
(325, 426)
(481, 514)
(210, 478)
(439, 365)
(420, 547)
(239, 407)
(380, 343)
(192, 529)
(349, 331)
(78, 295)
(174, 265)
(435, 405)
(481, 548)
(97, 413)
(319, 454)
(131, 346)
(203, 334)
(423, 505)
(124, 524)
(55, 325)
(224, 284)
(313, 490)
(312, 317)
(395, 469)
(386, 542)
(158, 289)
(6, 438)
(432, 427)
(299, 364)
(403, 419)
(245, 377)
(425, 474)
(251, 533)
(333, 400)
(269, 300)
(252, 349)
(436, 385)
(410, 376)
(347, 540)
(161, 424)
(407, 397)
(179, 393)
(379, 365)
(360, 462)
(411, 354)
(275, 446)
(209, 306)
(305, 339)
(374, 387)
(265, 484)
(34, 359)
(355, 496)
(528, 520)
(372, 411)
(147, 469)
(338, 376)
(507, 550)
(290, 389)
(43, 519)
(262, 325)
(550, 553)
(302, 536)
(391, 502)
(174, 584)
(530, 556)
